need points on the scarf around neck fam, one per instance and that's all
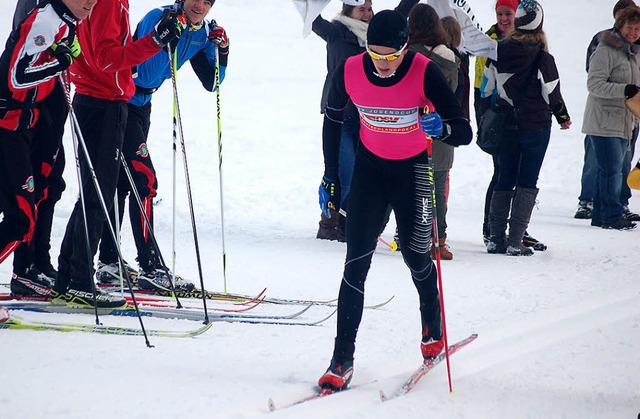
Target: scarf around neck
(358, 27)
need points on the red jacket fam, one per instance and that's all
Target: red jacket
(103, 70)
(27, 69)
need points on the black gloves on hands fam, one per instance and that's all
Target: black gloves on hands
(65, 53)
(630, 91)
(169, 27)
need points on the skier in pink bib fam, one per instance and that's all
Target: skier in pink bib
(391, 89)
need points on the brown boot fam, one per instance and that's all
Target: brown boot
(445, 253)
(328, 228)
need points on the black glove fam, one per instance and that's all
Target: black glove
(169, 27)
(630, 90)
(63, 54)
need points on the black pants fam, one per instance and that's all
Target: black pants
(136, 153)
(17, 190)
(47, 156)
(102, 123)
(405, 185)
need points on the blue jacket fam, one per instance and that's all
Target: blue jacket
(193, 45)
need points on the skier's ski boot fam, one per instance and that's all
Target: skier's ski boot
(157, 279)
(431, 348)
(31, 282)
(337, 377)
(109, 273)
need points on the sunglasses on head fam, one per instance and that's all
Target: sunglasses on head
(386, 57)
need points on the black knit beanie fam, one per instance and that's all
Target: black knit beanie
(388, 28)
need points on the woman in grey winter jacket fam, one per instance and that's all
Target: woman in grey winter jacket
(614, 74)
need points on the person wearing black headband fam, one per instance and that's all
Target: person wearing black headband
(402, 100)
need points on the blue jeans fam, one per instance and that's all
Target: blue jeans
(609, 153)
(519, 164)
(589, 170)
(348, 144)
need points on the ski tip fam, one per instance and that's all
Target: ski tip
(4, 314)
(272, 405)
(383, 397)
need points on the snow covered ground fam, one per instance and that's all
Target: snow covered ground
(557, 331)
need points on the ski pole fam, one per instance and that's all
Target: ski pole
(393, 246)
(116, 211)
(152, 236)
(218, 113)
(65, 84)
(173, 59)
(78, 140)
(436, 245)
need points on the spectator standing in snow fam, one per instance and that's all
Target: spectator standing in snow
(427, 37)
(614, 74)
(389, 86)
(533, 89)
(345, 36)
(589, 168)
(197, 45)
(104, 83)
(505, 16)
(40, 47)
(33, 273)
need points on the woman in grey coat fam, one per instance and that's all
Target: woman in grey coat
(614, 74)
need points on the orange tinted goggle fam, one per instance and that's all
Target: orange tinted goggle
(386, 57)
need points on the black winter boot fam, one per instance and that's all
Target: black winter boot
(523, 203)
(498, 214)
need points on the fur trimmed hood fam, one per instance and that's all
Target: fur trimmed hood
(614, 40)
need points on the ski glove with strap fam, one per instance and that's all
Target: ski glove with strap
(329, 196)
(65, 53)
(431, 124)
(169, 27)
(218, 36)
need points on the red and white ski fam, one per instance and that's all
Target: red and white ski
(417, 375)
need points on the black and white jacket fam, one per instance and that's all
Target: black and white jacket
(537, 97)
